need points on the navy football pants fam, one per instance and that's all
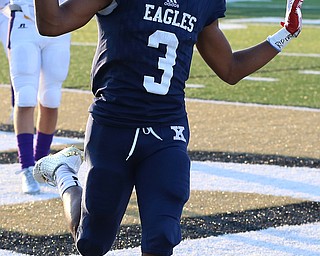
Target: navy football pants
(152, 160)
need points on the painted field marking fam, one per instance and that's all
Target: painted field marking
(310, 72)
(263, 79)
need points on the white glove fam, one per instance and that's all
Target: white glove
(291, 26)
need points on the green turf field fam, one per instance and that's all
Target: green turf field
(268, 8)
(290, 86)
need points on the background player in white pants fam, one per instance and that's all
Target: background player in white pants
(4, 18)
(38, 67)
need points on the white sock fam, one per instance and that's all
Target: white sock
(65, 179)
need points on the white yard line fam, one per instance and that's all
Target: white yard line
(310, 72)
(263, 79)
(308, 55)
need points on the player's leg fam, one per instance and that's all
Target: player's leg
(45, 129)
(54, 70)
(24, 63)
(23, 119)
(162, 190)
(72, 207)
(161, 201)
(108, 188)
(61, 170)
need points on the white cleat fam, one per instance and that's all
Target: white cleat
(45, 168)
(29, 184)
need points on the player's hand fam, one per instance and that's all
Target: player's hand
(293, 20)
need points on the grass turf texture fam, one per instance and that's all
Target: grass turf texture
(268, 8)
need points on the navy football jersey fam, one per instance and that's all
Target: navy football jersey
(143, 59)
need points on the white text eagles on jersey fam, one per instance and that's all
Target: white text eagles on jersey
(169, 16)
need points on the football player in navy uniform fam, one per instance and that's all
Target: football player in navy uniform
(137, 132)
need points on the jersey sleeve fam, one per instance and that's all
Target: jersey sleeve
(109, 9)
(217, 9)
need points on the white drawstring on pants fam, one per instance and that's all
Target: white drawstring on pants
(146, 131)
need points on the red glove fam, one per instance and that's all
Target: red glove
(293, 20)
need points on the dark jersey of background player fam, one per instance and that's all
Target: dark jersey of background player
(143, 59)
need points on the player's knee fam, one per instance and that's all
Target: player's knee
(95, 235)
(26, 96)
(50, 98)
(93, 244)
(162, 237)
(88, 247)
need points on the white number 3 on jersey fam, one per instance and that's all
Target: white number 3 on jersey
(166, 64)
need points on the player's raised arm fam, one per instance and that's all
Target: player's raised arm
(233, 66)
(54, 19)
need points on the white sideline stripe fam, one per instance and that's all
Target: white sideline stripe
(77, 91)
(230, 26)
(83, 44)
(263, 79)
(308, 55)
(310, 72)
(195, 86)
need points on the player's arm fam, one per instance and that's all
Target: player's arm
(233, 66)
(230, 66)
(54, 19)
